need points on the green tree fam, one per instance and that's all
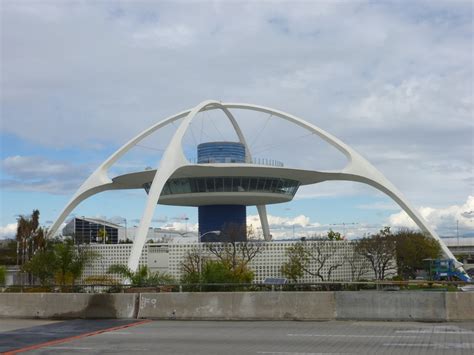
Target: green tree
(411, 249)
(222, 272)
(380, 250)
(42, 265)
(143, 277)
(70, 261)
(3, 274)
(196, 269)
(8, 252)
(293, 269)
(59, 261)
(334, 235)
(217, 272)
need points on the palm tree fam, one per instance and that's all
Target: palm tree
(30, 237)
(142, 277)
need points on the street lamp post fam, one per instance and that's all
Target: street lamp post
(126, 236)
(83, 222)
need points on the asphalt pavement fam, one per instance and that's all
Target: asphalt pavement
(239, 337)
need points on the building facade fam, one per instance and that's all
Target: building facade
(343, 264)
(91, 230)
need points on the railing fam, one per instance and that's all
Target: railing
(414, 285)
(255, 161)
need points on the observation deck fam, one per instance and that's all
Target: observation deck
(225, 183)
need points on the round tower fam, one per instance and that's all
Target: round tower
(230, 220)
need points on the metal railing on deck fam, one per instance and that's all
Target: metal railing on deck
(256, 161)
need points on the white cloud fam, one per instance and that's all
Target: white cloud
(166, 37)
(444, 220)
(181, 226)
(394, 81)
(8, 231)
(35, 167)
(379, 206)
(32, 173)
(277, 222)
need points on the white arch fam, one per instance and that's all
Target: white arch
(99, 180)
(358, 169)
(173, 158)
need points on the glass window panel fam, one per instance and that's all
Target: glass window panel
(219, 184)
(253, 184)
(185, 186)
(261, 184)
(201, 184)
(210, 185)
(279, 186)
(172, 185)
(227, 184)
(166, 189)
(271, 185)
(245, 184)
(237, 184)
(193, 184)
(177, 186)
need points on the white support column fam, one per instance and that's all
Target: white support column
(172, 159)
(262, 212)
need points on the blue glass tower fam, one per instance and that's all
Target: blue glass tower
(221, 217)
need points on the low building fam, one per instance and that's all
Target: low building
(463, 249)
(341, 262)
(92, 230)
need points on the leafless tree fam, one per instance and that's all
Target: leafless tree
(359, 266)
(192, 262)
(232, 249)
(314, 257)
(380, 251)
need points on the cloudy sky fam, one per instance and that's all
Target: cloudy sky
(391, 79)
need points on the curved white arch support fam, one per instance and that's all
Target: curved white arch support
(99, 177)
(173, 158)
(358, 169)
(74, 202)
(262, 212)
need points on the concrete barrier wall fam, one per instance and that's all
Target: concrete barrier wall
(238, 305)
(68, 305)
(384, 305)
(460, 306)
(357, 305)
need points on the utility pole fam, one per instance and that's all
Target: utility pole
(457, 230)
(83, 223)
